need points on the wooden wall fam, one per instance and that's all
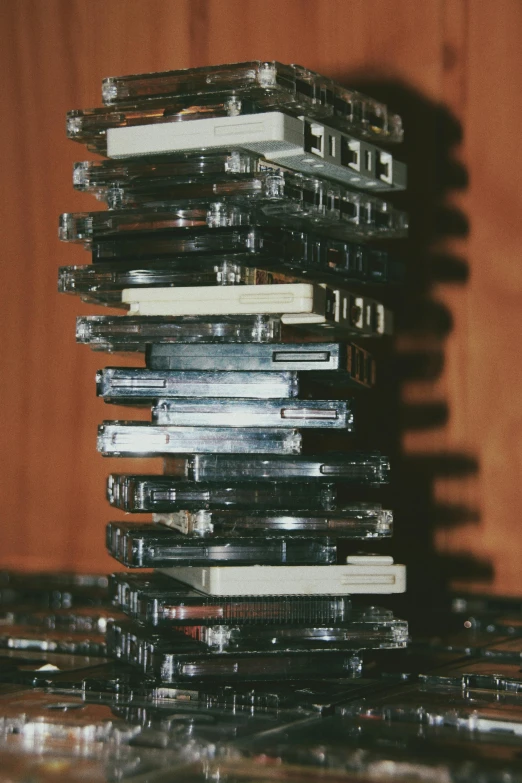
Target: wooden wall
(465, 54)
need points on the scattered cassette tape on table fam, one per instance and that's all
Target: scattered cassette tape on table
(243, 242)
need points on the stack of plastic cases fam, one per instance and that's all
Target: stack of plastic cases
(244, 202)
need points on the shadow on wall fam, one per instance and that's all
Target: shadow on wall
(422, 324)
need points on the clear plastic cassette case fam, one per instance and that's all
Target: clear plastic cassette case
(336, 210)
(370, 468)
(161, 245)
(138, 385)
(83, 227)
(155, 546)
(362, 520)
(353, 364)
(236, 176)
(278, 250)
(482, 674)
(172, 656)
(98, 176)
(292, 87)
(161, 600)
(330, 259)
(24, 637)
(285, 413)
(132, 439)
(104, 282)
(159, 292)
(52, 590)
(337, 749)
(376, 630)
(469, 710)
(167, 495)
(134, 333)
(311, 698)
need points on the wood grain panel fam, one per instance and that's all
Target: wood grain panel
(53, 55)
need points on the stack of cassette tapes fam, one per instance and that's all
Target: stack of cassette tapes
(243, 243)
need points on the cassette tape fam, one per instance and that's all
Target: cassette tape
(361, 520)
(282, 413)
(479, 674)
(134, 438)
(98, 176)
(165, 494)
(135, 385)
(365, 468)
(22, 637)
(161, 245)
(134, 333)
(155, 546)
(467, 643)
(503, 649)
(69, 738)
(362, 574)
(156, 599)
(170, 656)
(344, 214)
(298, 143)
(35, 754)
(53, 590)
(104, 282)
(354, 365)
(82, 619)
(298, 304)
(232, 176)
(329, 259)
(315, 697)
(379, 630)
(64, 671)
(336, 748)
(83, 227)
(193, 726)
(292, 87)
(323, 258)
(463, 710)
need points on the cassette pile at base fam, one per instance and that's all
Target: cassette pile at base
(447, 708)
(243, 238)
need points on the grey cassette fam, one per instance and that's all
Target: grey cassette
(136, 384)
(97, 176)
(369, 468)
(166, 494)
(363, 520)
(239, 176)
(342, 357)
(285, 413)
(118, 439)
